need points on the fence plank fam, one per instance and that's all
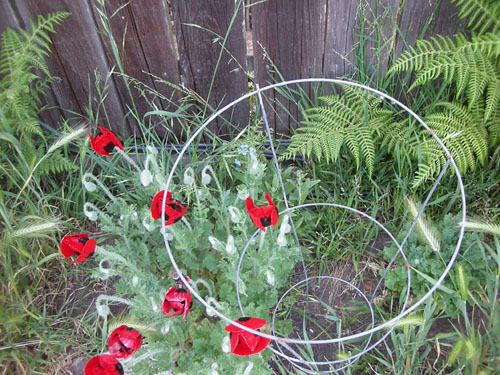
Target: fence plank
(8, 17)
(152, 23)
(380, 21)
(144, 45)
(288, 34)
(77, 52)
(339, 39)
(199, 54)
(432, 16)
(303, 38)
(131, 58)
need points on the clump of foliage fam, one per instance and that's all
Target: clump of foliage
(469, 125)
(28, 218)
(352, 119)
(428, 262)
(206, 244)
(25, 76)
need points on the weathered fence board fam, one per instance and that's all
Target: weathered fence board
(423, 19)
(200, 54)
(380, 20)
(297, 38)
(77, 52)
(288, 41)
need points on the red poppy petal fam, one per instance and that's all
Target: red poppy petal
(268, 198)
(124, 341)
(255, 217)
(234, 339)
(274, 217)
(250, 340)
(103, 365)
(252, 323)
(71, 244)
(66, 249)
(249, 203)
(87, 251)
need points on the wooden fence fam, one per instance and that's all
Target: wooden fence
(180, 41)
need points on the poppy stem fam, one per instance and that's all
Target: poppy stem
(219, 188)
(248, 369)
(91, 187)
(128, 158)
(204, 283)
(92, 212)
(117, 257)
(184, 220)
(212, 172)
(106, 297)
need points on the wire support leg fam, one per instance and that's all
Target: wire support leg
(280, 179)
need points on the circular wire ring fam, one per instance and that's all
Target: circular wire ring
(391, 322)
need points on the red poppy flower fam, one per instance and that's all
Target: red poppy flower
(104, 365)
(179, 300)
(263, 216)
(124, 342)
(79, 244)
(104, 142)
(174, 211)
(245, 343)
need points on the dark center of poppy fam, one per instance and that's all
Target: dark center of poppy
(130, 329)
(244, 319)
(109, 147)
(83, 240)
(265, 221)
(119, 368)
(126, 348)
(181, 290)
(175, 206)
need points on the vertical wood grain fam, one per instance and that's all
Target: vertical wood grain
(380, 19)
(77, 53)
(288, 43)
(435, 16)
(199, 49)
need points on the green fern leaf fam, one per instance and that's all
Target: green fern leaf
(481, 14)
(353, 120)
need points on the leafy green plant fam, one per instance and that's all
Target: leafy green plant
(472, 65)
(29, 215)
(352, 119)
(25, 76)
(428, 262)
(206, 244)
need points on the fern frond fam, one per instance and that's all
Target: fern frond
(21, 52)
(424, 52)
(464, 136)
(488, 44)
(481, 14)
(353, 119)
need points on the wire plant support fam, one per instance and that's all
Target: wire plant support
(292, 349)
